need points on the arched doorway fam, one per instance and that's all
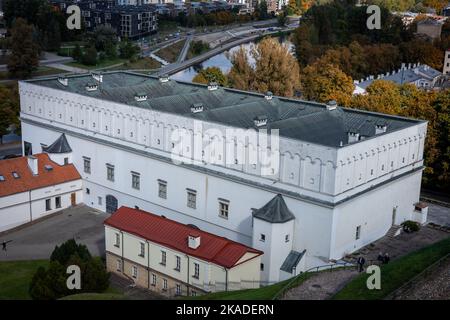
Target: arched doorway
(111, 204)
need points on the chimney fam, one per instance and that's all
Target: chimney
(33, 164)
(268, 95)
(164, 78)
(213, 86)
(64, 81)
(193, 241)
(380, 128)
(98, 77)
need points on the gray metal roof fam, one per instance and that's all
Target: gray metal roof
(292, 261)
(59, 146)
(274, 211)
(296, 119)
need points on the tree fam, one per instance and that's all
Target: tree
(104, 37)
(90, 56)
(63, 253)
(77, 53)
(241, 74)
(128, 50)
(24, 57)
(211, 74)
(325, 82)
(9, 109)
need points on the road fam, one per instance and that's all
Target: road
(178, 66)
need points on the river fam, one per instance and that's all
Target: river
(222, 60)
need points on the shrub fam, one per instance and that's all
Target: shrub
(410, 226)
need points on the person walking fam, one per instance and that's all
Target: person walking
(386, 258)
(361, 261)
(380, 257)
(4, 243)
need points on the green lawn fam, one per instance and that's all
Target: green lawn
(263, 293)
(41, 71)
(15, 277)
(143, 63)
(102, 64)
(171, 53)
(396, 273)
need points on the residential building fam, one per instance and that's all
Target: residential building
(176, 259)
(204, 158)
(421, 75)
(32, 187)
(430, 27)
(446, 70)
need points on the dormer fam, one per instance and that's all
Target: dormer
(197, 107)
(213, 86)
(353, 136)
(140, 97)
(332, 105)
(380, 128)
(194, 241)
(268, 95)
(260, 121)
(164, 78)
(91, 86)
(64, 81)
(97, 76)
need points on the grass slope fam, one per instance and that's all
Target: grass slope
(15, 277)
(396, 273)
(171, 53)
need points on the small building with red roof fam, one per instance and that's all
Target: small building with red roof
(176, 259)
(32, 187)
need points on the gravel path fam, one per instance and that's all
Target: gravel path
(433, 285)
(321, 286)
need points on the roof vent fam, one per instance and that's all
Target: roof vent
(331, 105)
(268, 95)
(260, 121)
(353, 136)
(64, 81)
(140, 97)
(48, 167)
(194, 241)
(97, 76)
(213, 86)
(197, 107)
(91, 86)
(164, 78)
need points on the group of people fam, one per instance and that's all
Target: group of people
(382, 258)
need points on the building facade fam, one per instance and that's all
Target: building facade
(32, 187)
(446, 70)
(176, 259)
(347, 176)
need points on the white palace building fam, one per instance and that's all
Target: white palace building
(338, 179)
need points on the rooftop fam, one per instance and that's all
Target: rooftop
(274, 211)
(174, 235)
(16, 176)
(59, 146)
(296, 119)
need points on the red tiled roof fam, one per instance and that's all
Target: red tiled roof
(174, 235)
(27, 181)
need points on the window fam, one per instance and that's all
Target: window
(261, 266)
(191, 198)
(262, 237)
(162, 189)
(224, 206)
(110, 172)
(178, 290)
(403, 160)
(382, 167)
(178, 263)
(153, 279)
(196, 270)
(87, 165)
(58, 202)
(163, 258)
(15, 175)
(2, 178)
(371, 172)
(164, 284)
(99, 201)
(119, 265)
(135, 180)
(134, 271)
(141, 249)
(48, 205)
(193, 293)
(117, 243)
(286, 238)
(358, 233)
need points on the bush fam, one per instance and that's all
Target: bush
(90, 57)
(49, 284)
(410, 226)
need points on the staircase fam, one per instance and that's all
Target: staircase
(393, 231)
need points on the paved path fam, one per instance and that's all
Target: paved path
(47, 59)
(321, 286)
(185, 50)
(438, 214)
(37, 241)
(68, 68)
